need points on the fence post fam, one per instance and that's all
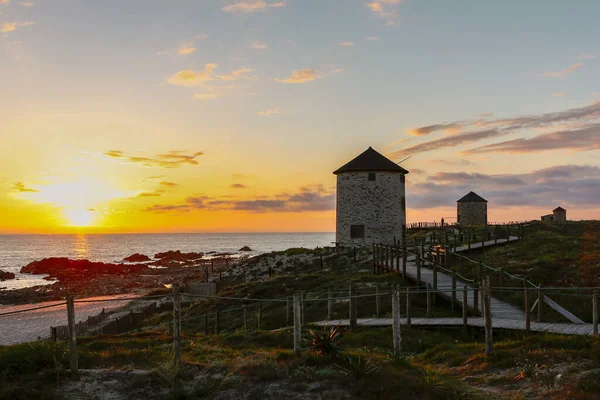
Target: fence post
(428, 300)
(404, 256)
(217, 327)
(302, 309)
(297, 326)
(259, 316)
(501, 277)
(352, 312)
(329, 304)
(527, 311)
(419, 260)
(487, 316)
(540, 301)
(396, 321)
(408, 306)
(435, 276)
(72, 336)
(377, 300)
(595, 312)
(453, 288)
(245, 308)
(465, 309)
(475, 299)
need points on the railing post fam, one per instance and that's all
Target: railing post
(329, 304)
(595, 312)
(177, 322)
(453, 288)
(352, 312)
(429, 300)
(302, 308)
(487, 316)
(475, 299)
(72, 336)
(408, 308)
(465, 309)
(396, 321)
(540, 301)
(259, 316)
(297, 326)
(527, 311)
(377, 300)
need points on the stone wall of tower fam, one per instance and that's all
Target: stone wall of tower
(471, 213)
(559, 216)
(378, 205)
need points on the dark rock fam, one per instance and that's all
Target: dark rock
(178, 256)
(66, 269)
(137, 257)
(4, 276)
(245, 248)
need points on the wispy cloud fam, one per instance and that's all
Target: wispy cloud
(13, 26)
(193, 78)
(300, 76)
(185, 50)
(385, 9)
(558, 94)
(258, 45)
(238, 186)
(238, 73)
(269, 112)
(172, 159)
(26, 4)
(346, 44)
(169, 184)
(564, 72)
(372, 38)
(578, 123)
(250, 6)
(22, 188)
(586, 56)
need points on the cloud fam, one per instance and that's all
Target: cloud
(586, 56)
(579, 139)
(267, 113)
(205, 96)
(193, 78)
(168, 184)
(238, 186)
(250, 6)
(260, 45)
(558, 94)
(300, 76)
(235, 74)
(337, 71)
(385, 9)
(26, 4)
(20, 187)
(187, 50)
(310, 198)
(172, 159)
(564, 72)
(12, 26)
(581, 122)
(346, 44)
(156, 193)
(453, 162)
(372, 38)
(575, 185)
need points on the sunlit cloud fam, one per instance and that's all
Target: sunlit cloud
(346, 44)
(4, 1)
(238, 73)
(13, 26)
(385, 9)
(558, 94)
(172, 159)
(564, 72)
(260, 45)
(238, 186)
(267, 113)
(336, 71)
(250, 6)
(586, 56)
(22, 188)
(185, 50)
(300, 76)
(193, 78)
(26, 4)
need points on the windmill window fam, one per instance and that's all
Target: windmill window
(357, 231)
(372, 176)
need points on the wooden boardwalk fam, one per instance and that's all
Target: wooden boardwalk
(500, 309)
(498, 323)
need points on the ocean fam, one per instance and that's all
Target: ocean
(19, 250)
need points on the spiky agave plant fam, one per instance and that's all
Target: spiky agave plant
(327, 342)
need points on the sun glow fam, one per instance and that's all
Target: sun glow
(79, 201)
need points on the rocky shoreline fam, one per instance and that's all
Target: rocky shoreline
(137, 273)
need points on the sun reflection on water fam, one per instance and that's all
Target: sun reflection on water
(81, 246)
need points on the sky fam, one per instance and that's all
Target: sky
(231, 115)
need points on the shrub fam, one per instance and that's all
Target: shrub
(328, 342)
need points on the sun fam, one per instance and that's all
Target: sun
(80, 217)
